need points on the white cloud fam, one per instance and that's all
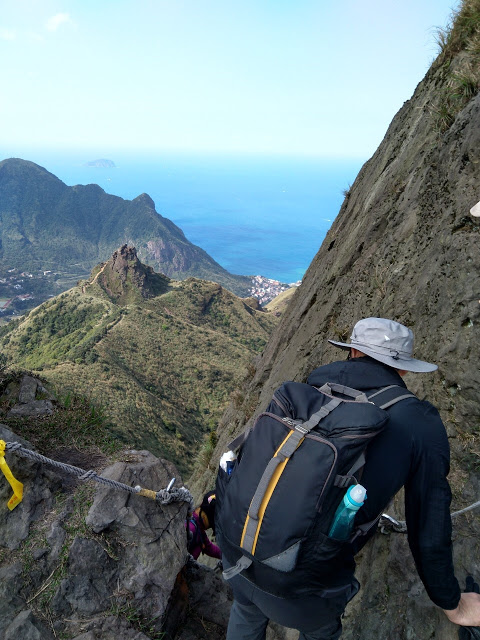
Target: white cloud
(57, 20)
(7, 34)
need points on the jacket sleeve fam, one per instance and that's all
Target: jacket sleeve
(427, 508)
(211, 549)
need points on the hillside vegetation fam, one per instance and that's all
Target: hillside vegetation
(161, 356)
(280, 303)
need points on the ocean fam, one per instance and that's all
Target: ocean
(254, 214)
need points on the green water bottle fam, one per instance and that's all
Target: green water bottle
(346, 511)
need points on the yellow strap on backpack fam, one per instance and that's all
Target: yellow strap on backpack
(13, 482)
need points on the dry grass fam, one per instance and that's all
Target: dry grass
(459, 46)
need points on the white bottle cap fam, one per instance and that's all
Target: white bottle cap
(357, 494)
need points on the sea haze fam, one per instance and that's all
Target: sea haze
(254, 214)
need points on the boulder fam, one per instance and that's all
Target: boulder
(28, 389)
(134, 551)
(27, 404)
(11, 603)
(122, 568)
(27, 627)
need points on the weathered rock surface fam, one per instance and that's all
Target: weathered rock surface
(110, 628)
(199, 606)
(105, 568)
(10, 600)
(27, 627)
(28, 404)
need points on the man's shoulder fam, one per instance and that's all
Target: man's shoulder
(359, 373)
(418, 405)
(418, 417)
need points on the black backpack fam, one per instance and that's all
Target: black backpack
(274, 511)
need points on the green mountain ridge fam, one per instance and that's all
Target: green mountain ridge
(162, 357)
(44, 224)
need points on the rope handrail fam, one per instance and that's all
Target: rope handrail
(400, 526)
(164, 496)
(168, 495)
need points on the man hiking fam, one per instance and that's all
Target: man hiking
(411, 450)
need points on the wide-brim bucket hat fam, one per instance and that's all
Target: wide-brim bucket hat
(386, 341)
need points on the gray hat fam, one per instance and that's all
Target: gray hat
(386, 341)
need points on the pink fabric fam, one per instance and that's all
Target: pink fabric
(205, 546)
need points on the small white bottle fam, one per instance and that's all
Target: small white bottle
(227, 461)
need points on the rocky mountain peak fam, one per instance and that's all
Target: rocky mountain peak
(125, 258)
(126, 280)
(145, 200)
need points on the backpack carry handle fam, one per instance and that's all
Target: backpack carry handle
(330, 387)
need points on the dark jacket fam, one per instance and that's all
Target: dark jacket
(412, 452)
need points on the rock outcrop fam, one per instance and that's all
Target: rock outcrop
(29, 403)
(102, 564)
(127, 280)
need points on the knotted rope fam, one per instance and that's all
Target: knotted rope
(164, 496)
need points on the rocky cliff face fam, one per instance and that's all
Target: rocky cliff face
(404, 246)
(100, 565)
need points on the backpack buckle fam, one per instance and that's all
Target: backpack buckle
(303, 431)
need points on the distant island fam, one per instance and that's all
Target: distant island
(102, 162)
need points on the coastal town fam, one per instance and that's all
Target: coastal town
(15, 281)
(265, 289)
(22, 290)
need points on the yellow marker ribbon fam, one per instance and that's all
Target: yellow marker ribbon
(13, 482)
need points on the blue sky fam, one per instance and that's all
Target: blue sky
(275, 76)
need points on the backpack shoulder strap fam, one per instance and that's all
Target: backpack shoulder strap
(239, 440)
(385, 398)
(388, 396)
